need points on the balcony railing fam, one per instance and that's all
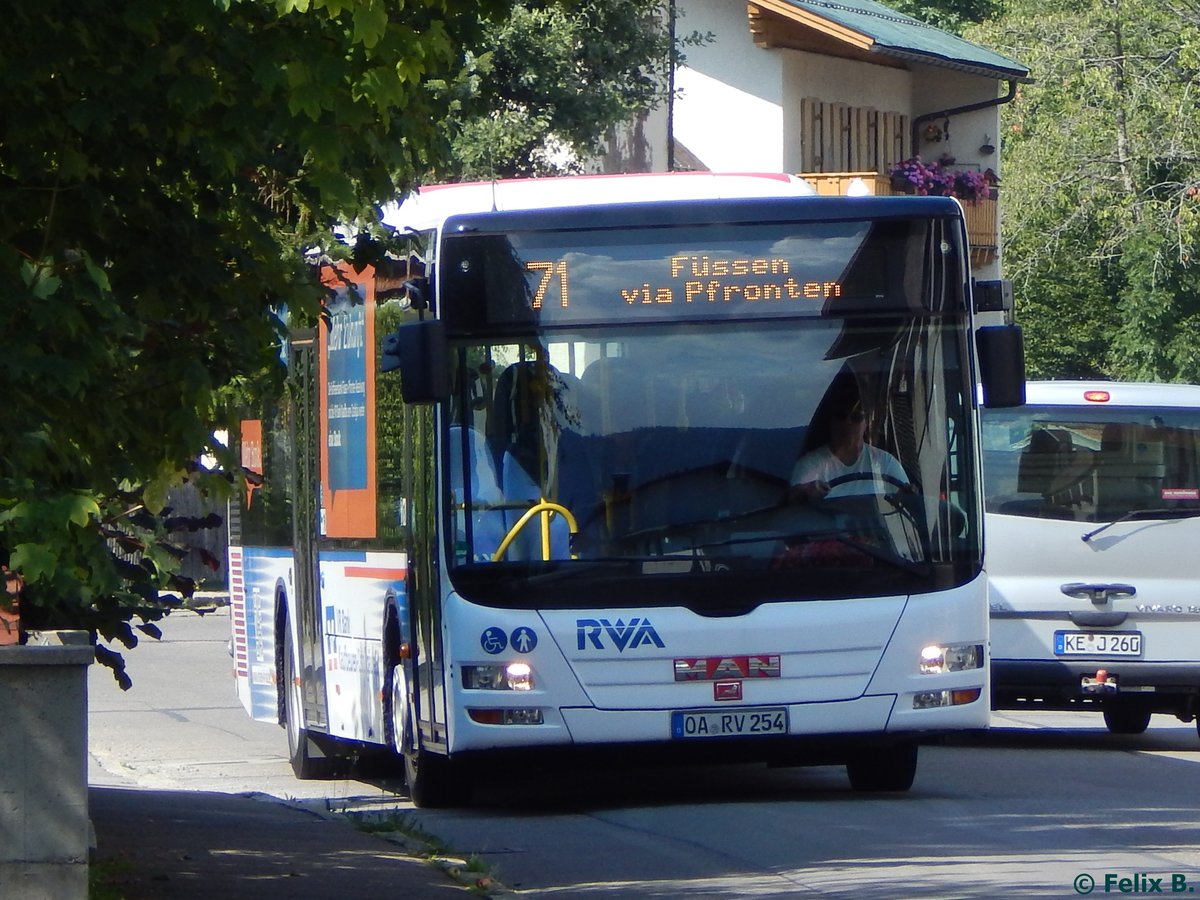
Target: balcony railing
(982, 216)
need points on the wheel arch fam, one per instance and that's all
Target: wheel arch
(394, 637)
(282, 621)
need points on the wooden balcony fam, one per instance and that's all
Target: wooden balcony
(982, 216)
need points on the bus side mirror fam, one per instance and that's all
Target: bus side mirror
(994, 296)
(1001, 350)
(418, 352)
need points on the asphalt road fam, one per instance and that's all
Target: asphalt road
(1035, 808)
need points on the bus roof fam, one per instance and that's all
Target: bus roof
(1119, 393)
(428, 207)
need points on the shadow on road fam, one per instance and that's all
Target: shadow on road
(188, 844)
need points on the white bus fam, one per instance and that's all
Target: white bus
(568, 522)
(1093, 514)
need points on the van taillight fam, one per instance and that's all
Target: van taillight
(1097, 396)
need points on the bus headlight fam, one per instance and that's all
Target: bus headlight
(938, 659)
(516, 676)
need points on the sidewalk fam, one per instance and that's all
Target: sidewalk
(181, 844)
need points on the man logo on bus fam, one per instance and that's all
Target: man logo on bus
(639, 631)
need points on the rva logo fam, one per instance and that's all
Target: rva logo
(639, 631)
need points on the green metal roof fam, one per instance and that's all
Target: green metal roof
(903, 37)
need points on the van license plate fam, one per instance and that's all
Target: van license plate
(1098, 643)
(729, 722)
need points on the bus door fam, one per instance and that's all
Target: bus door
(428, 674)
(304, 605)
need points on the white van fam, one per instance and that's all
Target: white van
(1093, 550)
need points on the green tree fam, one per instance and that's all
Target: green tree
(948, 15)
(160, 165)
(1101, 167)
(550, 79)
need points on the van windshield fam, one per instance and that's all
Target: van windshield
(1088, 464)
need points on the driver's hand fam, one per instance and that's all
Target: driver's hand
(809, 491)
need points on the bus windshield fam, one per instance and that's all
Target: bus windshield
(609, 465)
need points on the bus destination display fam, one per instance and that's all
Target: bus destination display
(694, 279)
(753, 271)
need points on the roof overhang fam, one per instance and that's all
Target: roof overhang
(781, 24)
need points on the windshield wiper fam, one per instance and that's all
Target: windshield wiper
(1170, 512)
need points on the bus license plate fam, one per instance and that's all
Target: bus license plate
(708, 723)
(1098, 643)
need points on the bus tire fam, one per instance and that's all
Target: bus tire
(397, 719)
(434, 781)
(1126, 718)
(885, 769)
(305, 764)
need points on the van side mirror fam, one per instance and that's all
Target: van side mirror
(1001, 350)
(418, 351)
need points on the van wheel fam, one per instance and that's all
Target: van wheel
(885, 769)
(1126, 719)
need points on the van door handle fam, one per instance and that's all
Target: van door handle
(1097, 593)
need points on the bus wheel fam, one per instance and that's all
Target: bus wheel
(396, 718)
(434, 781)
(1122, 719)
(304, 764)
(885, 769)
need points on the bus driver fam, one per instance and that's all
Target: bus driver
(846, 464)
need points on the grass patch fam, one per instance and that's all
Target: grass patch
(472, 871)
(398, 823)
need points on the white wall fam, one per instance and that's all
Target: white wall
(847, 81)
(942, 89)
(729, 113)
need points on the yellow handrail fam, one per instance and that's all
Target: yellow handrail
(546, 509)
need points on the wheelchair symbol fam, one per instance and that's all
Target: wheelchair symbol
(493, 641)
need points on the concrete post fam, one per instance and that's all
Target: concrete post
(44, 831)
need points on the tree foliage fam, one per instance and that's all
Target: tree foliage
(948, 15)
(1102, 186)
(163, 168)
(160, 165)
(550, 79)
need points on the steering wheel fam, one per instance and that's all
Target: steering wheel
(546, 509)
(881, 478)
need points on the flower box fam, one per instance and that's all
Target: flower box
(981, 214)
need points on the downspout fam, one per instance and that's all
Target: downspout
(671, 59)
(955, 110)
